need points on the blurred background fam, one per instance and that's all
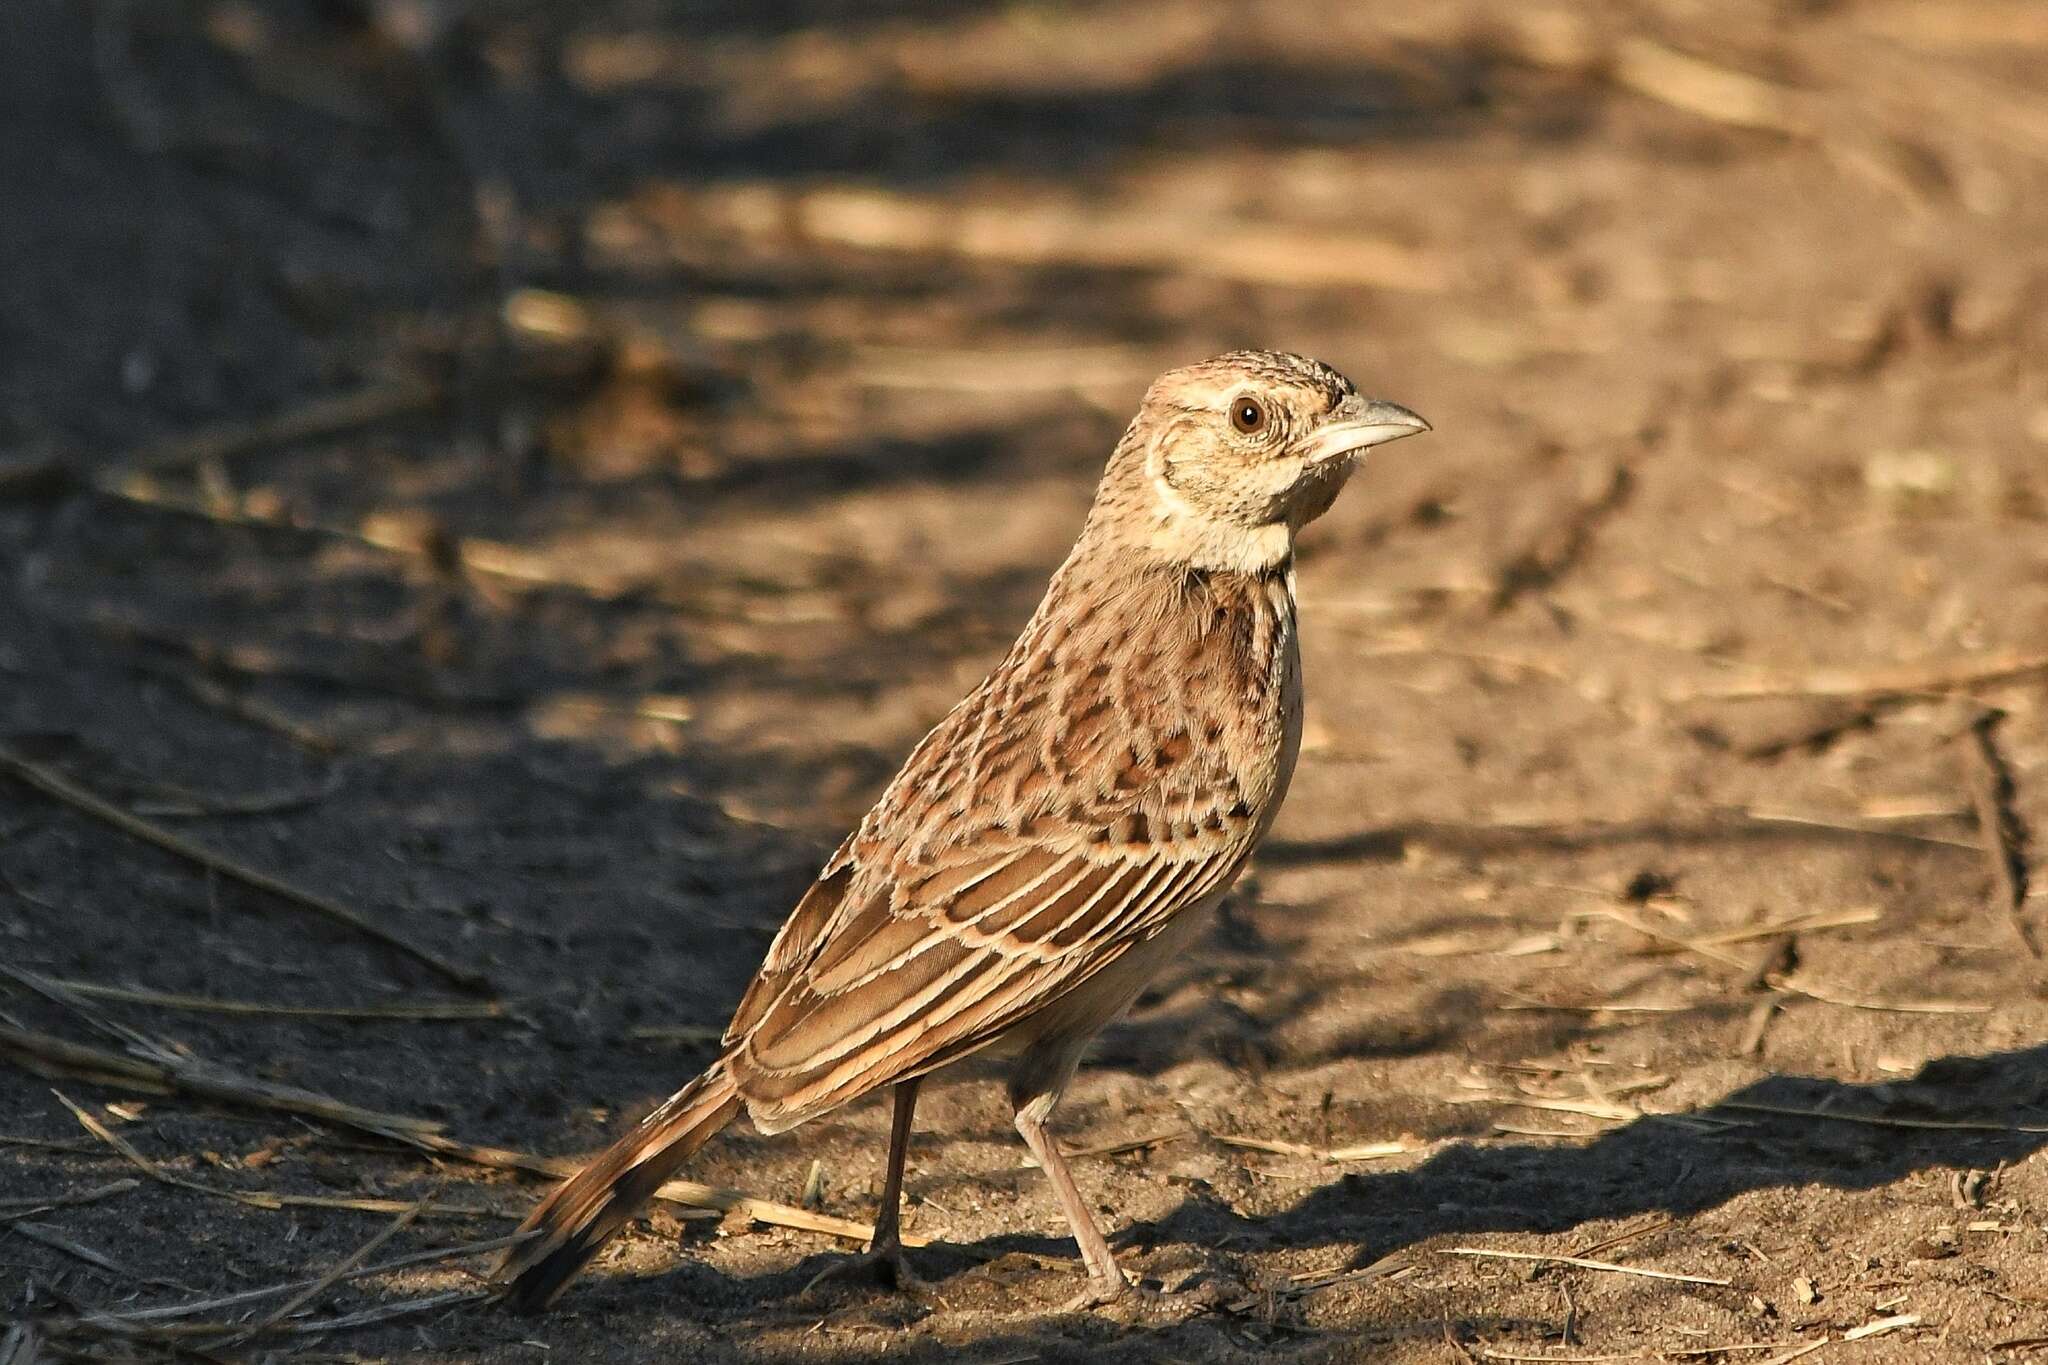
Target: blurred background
(524, 473)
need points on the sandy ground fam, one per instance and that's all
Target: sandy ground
(524, 481)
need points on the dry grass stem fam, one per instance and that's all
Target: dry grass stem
(140, 1317)
(1366, 1151)
(11, 1209)
(397, 1009)
(1880, 1326)
(312, 421)
(201, 1079)
(1706, 89)
(1792, 984)
(1794, 924)
(327, 1280)
(1053, 234)
(1881, 1121)
(1868, 825)
(60, 1241)
(1589, 1108)
(1828, 995)
(61, 788)
(258, 1199)
(1583, 1264)
(1905, 680)
(112, 1068)
(1998, 823)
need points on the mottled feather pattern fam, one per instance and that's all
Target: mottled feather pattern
(1087, 790)
(1057, 837)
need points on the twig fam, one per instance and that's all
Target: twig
(1793, 924)
(178, 804)
(1891, 681)
(310, 421)
(1705, 89)
(1592, 1109)
(1829, 996)
(1881, 1121)
(675, 1033)
(204, 1079)
(369, 1317)
(1523, 1002)
(134, 1317)
(418, 1009)
(214, 1082)
(61, 788)
(1764, 815)
(1521, 1130)
(258, 1200)
(1366, 1151)
(1656, 1222)
(71, 1246)
(326, 1281)
(1528, 1358)
(1656, 1353)
(1055, 234)
(1779, 981)
(1582, 1263)
(43, 1144)
(1314, 1281)
(366, 1317)
(690, 1193)
(2005, 838)
(11, 1209)
(259, 714)
(1880, 1326)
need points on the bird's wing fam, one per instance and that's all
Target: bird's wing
(1115, 770)
(941, 957)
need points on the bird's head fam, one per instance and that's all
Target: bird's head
(1228, 458)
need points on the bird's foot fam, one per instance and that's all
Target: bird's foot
(1104, 1289)
(883, 1262)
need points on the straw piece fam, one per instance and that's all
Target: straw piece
(1582, 1263)
(55, 785)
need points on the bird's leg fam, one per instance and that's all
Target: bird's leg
(887, 1246)
(1105, 1282)
(884, 1257)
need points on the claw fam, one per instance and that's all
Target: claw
(885, 1264)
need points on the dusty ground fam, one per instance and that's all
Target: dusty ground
(716, 394)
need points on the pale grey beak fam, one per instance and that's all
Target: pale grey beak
(1368, 422)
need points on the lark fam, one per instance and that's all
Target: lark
(1057, 838)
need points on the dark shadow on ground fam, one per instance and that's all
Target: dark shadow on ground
(1679, 1166)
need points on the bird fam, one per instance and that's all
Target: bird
(1058, 837)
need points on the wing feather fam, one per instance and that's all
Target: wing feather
(906, 980)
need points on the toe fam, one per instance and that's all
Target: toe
(1102, 1290)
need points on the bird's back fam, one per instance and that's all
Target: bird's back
(1117, 767)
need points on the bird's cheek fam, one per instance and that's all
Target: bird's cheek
(1318, 487)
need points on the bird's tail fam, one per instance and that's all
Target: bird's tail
(585, 1210)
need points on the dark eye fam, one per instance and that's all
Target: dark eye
(1248, 415)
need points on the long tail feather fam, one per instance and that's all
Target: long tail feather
(586, 1209)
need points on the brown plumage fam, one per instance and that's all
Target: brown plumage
(1056, 838)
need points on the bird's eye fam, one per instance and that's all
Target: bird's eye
(1248, 415)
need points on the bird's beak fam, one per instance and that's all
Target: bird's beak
(1358, 425)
